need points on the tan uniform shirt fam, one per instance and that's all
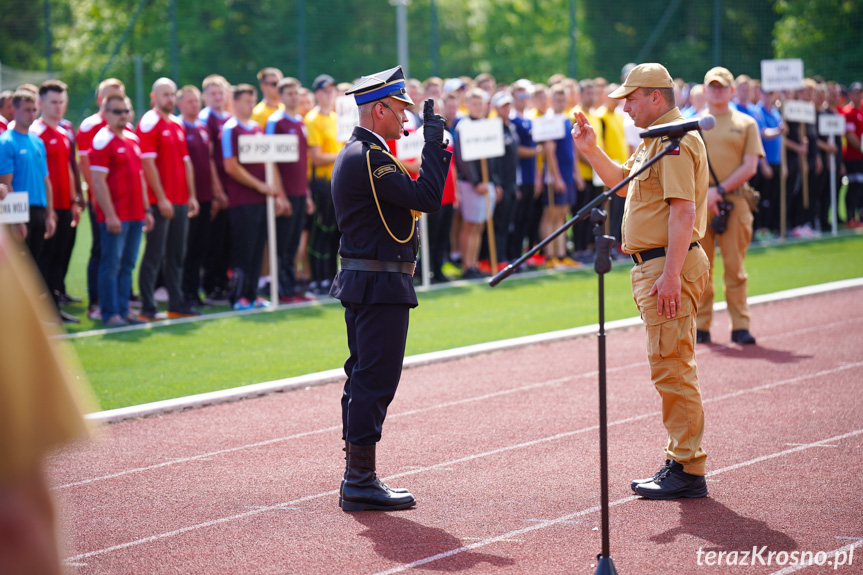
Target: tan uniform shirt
(680, 174)
(734, 136)
(38, 410)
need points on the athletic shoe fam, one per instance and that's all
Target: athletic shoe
(115, 321)
(132, 319)
(552, 263)
(568, 262)
(148, 316)
(261, 303)
(185, 311)
(94, 313)
(67, 317)
(242, 304)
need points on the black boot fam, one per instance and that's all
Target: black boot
(342, 486)
(362, 490)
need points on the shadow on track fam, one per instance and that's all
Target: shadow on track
(401, 540)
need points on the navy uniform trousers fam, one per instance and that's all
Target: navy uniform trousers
(377, 334)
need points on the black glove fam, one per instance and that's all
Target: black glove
(433, 125)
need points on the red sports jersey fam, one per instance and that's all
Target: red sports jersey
(165, 140)
(238, 194)
(3, 125)
(853, 123)
(198, 145)
(120, 158)
(58, 149)
(214, 122)
(87, 131)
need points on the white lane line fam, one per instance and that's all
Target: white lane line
(830, 556)
(528, 387)
(330, 376)
(470, 458)
(267, 442)
(571, 516)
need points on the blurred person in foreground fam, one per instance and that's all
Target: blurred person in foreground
(376, 203)
(665, 216)
(38, 412)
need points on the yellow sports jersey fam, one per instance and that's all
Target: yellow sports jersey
(614, 138)
(583, 167)
(263, 111)
(322, 130)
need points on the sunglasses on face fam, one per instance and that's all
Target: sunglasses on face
(119, 112)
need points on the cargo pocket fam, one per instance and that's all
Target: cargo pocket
(670, 338)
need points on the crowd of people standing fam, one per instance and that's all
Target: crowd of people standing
(174, 178)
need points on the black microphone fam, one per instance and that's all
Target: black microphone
(404, 130)
(678, 129)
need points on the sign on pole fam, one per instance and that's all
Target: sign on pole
(546, 128)
(348, 117)
(799, 111)
(781, 74)
(262, 149)
(15, 208)
(831, 125)
(410, 148)
(480, 139)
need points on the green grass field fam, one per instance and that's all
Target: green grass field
(165, 362)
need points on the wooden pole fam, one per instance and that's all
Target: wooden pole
(804, 168)
(489, 217)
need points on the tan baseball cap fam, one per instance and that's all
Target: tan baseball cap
(720, 75)
(644, 76)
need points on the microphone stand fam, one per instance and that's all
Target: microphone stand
(602, 264)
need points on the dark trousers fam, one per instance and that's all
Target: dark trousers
(58, 253)
(197, 242)
(36, 241)
(439, 224)
(615, 206)
(376, 340)
(504, 225)
(854, 194)
(218, 254)
(248, 236)
(324, 239)
(95, 254)
(769, 206)
(166, 249)
(524, 211)
(288, 230)
(582, 232)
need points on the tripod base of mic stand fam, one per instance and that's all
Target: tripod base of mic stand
(606, 566)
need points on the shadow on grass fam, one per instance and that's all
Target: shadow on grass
(398, 539)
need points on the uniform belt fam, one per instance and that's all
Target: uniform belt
(378, 266)
(653, 253)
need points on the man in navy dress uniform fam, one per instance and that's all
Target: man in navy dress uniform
(377, 207)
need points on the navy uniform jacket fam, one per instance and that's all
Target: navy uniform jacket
(364, 235)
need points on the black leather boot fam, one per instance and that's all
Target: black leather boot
(342, 486)
(362, 490)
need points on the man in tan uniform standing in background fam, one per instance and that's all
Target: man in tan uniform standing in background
(664, 217)
(734, 148)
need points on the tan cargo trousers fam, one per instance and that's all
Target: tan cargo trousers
(671, 354)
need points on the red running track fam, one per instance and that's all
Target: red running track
(501, 451)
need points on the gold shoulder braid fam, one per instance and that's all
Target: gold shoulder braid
(414, 214)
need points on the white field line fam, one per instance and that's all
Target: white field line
(490, 453)
(333, 375)
(483, 397)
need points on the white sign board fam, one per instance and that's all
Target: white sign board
(546, 128)
(348, 117)
(480, 138)
(798, 111)
(410, 148)
(259, 149)
(15, 208)
(781, 74)
(831, 124)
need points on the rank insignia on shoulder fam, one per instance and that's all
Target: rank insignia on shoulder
(675, 151)
(384, 170)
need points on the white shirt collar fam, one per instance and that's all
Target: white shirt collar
(384, 142)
